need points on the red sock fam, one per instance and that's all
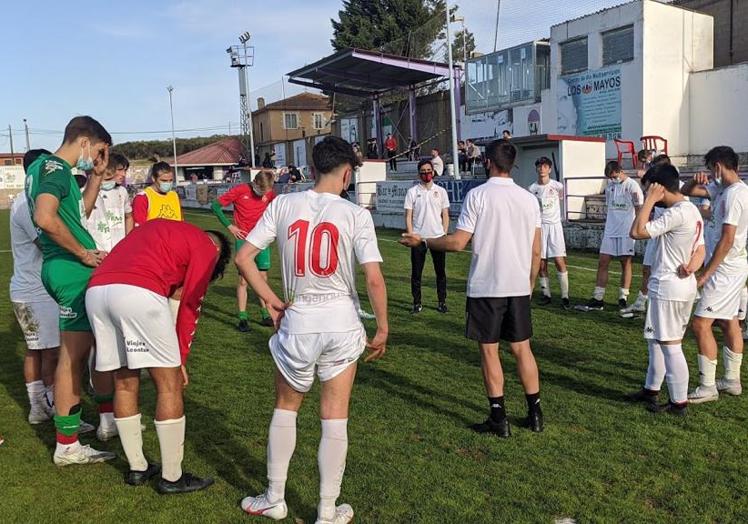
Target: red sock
(106, 407)
(67, 440)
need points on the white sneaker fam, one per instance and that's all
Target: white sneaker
(259, 506)
(106, 432)
(636, 307)
(38, 415)
(343, 515)
(81, 455)
(703, 394)
(85, 427)
(731, 387)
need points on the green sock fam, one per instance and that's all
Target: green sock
(243, 315)
(68, 425)
(264, 313)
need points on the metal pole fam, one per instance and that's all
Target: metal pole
(26, 127)
(464, 43)
(452, 110)
(10, 135)
(249, 113)
(496, 33)
(173, 136)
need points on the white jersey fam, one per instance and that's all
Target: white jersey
(679, 230)
(427, 205)
(713, 226)
(621, 199)
(503, 218)
(320, 236)
(549, 197)
(438, 164)
(107, 220)
(26, 282)
(733, 210)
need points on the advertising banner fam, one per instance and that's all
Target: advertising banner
(391, 195)
(12, 177)
(589, 104)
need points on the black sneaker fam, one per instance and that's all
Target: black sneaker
(595, 305)
(243, 325)
(565, 303)
(417, 308)
(138, 478)
(544, 300)
(534, 421)
(267, 322)
(677, 410)
(186, 484)
(622, 303)
(500, 428)
(643, 395)
(442, 307)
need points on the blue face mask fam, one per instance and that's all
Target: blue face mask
(108, 185)
(85, 164)
(164, 187)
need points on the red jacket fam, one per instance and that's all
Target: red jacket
(248, 207)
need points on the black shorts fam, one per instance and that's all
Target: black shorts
(490, 319)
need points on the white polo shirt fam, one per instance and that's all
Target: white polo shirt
(622, 199)
(438, 164)
(427, 204)
(503, 218)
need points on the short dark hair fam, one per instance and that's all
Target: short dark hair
(506, 131)
(724, 155)
(502, 155)
(118, 159)
(223, 257)
(543, 160)
(436, 149)
(664, 174)
(662, 159)
(159, 167)
(612, 167)
(642, 155)
(31, 155)
(331, 153)
(424, 162)
(85, 126)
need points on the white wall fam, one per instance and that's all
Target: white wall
(579, 159)
(719, 109)
(677, 42)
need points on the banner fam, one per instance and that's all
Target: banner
(391, 195)
(589, 104)
(12, 177)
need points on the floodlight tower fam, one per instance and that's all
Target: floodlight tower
(242, 57)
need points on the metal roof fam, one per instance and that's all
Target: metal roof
(366, 73)
(222, 152)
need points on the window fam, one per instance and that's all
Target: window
(262, 133)
(574, 56)
(319, 120)
(290, 120)
(8, 162)
(618, 45)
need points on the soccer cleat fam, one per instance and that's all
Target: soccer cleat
(500, 428)
(260, 506)
(643, 395)
(78, 454)
(38, 414)
(544, 300)
(243, 325)
(267, 322)
(85, 427)
(591, 305)
(636, 307)
(364, 315)
(138, 478)
(534, 421)
(622, 303)
(678, 410)
(106, 432)
(343, 515)
(187, 483)
(442, 307)
(566, 304)
(703, 394)
(731, 387)
(417, 308)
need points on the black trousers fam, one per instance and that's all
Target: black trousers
(417, 261)
(393, 160)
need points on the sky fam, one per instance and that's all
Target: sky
(114, 60)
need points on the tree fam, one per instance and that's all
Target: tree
(462, 46)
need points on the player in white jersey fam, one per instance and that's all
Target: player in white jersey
(37, 313)
(320, 237)
(678, 254)
(111, 218)
(723, 279)
(552, 244)
(623, 197)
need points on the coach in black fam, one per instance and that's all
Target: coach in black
(503, 221)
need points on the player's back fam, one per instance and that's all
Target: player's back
(320, 236)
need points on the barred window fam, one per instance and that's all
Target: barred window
(618, 45)
(574, 56)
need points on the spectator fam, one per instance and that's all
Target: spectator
(473, 154)
(506, 134)
(437, 162)
(462, 156)
(267, 162)
(372, 151)
(390, 144)
(414, 151)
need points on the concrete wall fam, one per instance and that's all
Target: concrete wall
(725, 51)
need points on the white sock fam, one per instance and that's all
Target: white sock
(281, 445)
(545, 286)
(62, 448)
(707, 371)
(563, 280)
(641, 299)
(732, 362)
(171, 441)
(35, 391)
(107, 419)
(333, 448)
(676, 373)
(131, 437)
(656, 368)
(599, 293)
(49, 396)
(623, 293)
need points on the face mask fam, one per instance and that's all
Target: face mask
(108, 185)
(164, 187)
(85, 164)
(427, 178)
(718, 178)
(615, 180)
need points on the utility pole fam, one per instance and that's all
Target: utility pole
(10, 136)
(452, 109)
(242, 57)
(496, 33)
(170, 89)
(26, 127)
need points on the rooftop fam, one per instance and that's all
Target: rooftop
(223, 152)
(300, 102)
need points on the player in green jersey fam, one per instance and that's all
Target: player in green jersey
(60, 211)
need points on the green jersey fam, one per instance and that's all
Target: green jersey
(51, 174)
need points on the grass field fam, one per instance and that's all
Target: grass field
(410, 457)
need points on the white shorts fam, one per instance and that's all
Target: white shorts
(650, 252)
(720, 296)
(133, 327)
(39, 323)
(552, 243)
(296, 356)
(617, 247)
(667, 320)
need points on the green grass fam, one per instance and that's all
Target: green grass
(410, 457)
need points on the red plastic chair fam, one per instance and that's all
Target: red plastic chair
(652, 143)
(625, 147)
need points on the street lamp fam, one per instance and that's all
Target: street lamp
(170, 89)
(452, 108)
(242, 57)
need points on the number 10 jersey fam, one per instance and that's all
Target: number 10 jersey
(320, 237)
